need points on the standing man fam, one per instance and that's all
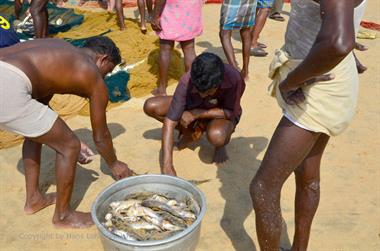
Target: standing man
(237, 15)
(315, 82)
(262, 12)
(30, 74)
(207, 99)
(175, 20)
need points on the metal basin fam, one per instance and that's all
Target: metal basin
(174, 187)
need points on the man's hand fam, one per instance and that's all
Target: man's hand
(120, 170)
(86, 154)
(187, 118)
(169, 171)
(156, 24)
(293, 97)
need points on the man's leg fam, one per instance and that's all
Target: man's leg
(261, 17)
(40, 17)
(157, 107)
(67, 146)
(18, 7)
(166, 47)
(225, 38)
(149, 6)
(188, 52)
(246, 39)
(307, 193)
(35, 200)
(219, 133)
(120, 14)
(141, 5)
(275, 11)
(288, 148)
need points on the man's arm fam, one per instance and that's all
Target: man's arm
(158, 8)
(167, 146)
(334, 42)
(101, 134)
(214, 113)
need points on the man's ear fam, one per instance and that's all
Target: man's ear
(104, 59)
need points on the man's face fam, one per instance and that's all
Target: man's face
(208, 93)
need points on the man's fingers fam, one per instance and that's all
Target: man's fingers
(322, 78)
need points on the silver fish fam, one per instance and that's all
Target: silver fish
(123, 234)
(170, 227)
(173, 219)
(193, 205)
(144, 225)
(159, 205)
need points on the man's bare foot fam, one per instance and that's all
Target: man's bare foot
(73, 219)
(143, 28)
(159, 92)
(220, 155)
(38, 202)
(169, 171)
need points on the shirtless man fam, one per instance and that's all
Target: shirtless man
(207, 99)
(30, 74)
(318, 47)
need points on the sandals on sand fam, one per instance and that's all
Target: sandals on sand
(277, 17)
(258, 52)
(261, 45)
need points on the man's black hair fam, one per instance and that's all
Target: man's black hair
(207, 71)
(105, 46)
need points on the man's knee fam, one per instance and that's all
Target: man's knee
(223, 34)
(71, 145)
(149, 106)
(265, 11)
(218, 137)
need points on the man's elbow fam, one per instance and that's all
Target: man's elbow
(99, 139)
(341, 47)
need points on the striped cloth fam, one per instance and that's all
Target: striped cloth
(237, 14)
(261, 4)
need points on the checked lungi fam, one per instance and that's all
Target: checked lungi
(262, 4)
(237, 14)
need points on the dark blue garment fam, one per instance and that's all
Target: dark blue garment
(8, 35)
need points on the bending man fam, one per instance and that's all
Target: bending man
(30, 74)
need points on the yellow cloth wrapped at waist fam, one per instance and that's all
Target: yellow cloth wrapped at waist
(329, 106)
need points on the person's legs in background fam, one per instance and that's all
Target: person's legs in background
(275, 12)
(262, 12)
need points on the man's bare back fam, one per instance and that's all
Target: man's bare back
(76, 73)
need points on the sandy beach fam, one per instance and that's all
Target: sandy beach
(348, 218)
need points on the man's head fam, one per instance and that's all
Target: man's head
(207, 73)
(108, 55)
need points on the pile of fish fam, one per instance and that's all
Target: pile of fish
(150, 216)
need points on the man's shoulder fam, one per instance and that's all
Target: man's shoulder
(232, 77)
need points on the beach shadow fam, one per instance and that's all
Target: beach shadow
(83, 176)
(235, 176)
